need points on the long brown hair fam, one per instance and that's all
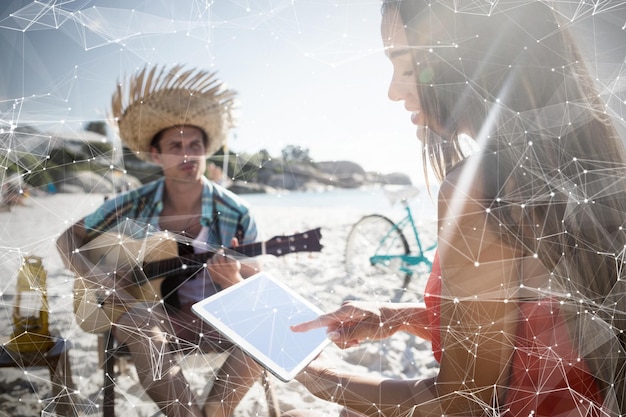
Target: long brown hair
(553, 164)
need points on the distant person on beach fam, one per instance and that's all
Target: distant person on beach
(525, 306)
(12, 193)
(175, 118)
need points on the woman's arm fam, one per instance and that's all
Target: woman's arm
(369, 395)
(478, 318)
(358, 321)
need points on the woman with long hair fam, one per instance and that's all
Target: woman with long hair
(525, 304)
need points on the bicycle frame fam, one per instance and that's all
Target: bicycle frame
(408, 260)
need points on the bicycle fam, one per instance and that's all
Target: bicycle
(377, 247)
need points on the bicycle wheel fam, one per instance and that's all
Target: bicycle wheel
(373, 250)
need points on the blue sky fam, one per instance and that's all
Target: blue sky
(310, 73)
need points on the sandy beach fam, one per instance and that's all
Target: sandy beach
(320, 277)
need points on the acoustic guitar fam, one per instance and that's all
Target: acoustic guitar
(150, 261)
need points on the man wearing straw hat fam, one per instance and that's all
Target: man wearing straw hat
(175, 118)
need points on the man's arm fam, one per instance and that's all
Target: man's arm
(226, 270)
(69, 244)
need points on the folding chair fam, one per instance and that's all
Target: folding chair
(57, 361)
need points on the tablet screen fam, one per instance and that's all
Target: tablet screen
(256, 314)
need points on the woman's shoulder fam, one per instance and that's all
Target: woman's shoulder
(466, 206)
(470, 241)
(465, 183)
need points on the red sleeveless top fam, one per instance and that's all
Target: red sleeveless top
(548, 378)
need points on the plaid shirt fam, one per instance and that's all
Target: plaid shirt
(136, 213)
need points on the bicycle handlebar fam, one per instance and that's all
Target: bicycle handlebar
(401, 194)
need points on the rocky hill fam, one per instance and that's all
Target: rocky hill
(278, 174)
(86, 162)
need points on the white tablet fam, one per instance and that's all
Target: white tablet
(256, 313)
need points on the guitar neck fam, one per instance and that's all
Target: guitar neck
(278, 246)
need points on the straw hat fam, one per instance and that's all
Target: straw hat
(156, 99)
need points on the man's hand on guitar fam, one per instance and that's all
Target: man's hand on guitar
(223, 269)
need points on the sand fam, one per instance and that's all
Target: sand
(32, 230)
